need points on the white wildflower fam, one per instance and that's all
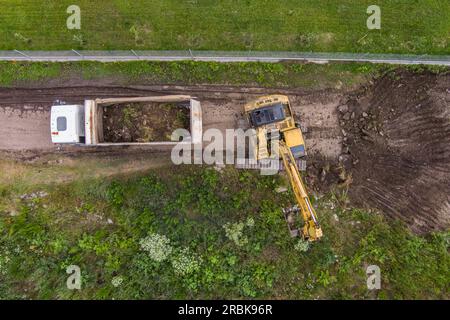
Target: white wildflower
(185, 262)
(158, 246)
(250, 222)
(4, 260)
(117, 281)
(302, 245)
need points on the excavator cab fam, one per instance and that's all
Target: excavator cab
(272, 118)
(271, 114)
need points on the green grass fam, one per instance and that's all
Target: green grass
(190, 206)
(286, 25)
(283, 75)
(310, 76)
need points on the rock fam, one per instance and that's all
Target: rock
(346, 116)
(281, 189)
(290, 219)
(365, 115)
(344, 133)
(110, 221)
(352, 115)
(42, 194)
(343, 108)
(323, 174)
(34, 195)
(344, 158)
(335, 216)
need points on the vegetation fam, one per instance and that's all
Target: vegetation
(190, 72)
(288, 25)
(309, 76)
(194, 232)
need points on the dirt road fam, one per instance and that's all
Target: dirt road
(24, 129)
(222, 108)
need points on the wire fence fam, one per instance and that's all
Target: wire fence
(220, 56)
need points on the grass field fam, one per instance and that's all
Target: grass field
(287, 25)
(227, 239)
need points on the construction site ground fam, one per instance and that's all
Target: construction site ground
(388, 141)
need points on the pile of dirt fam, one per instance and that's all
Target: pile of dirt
(323, 175)
(143, 122)
(396, 136)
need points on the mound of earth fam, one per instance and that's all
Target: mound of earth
(397, 143)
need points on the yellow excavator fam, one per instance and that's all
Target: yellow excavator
(272, 119)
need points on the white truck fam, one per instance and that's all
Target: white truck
(83, 124)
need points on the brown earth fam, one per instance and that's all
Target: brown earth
(389, 141)
(143, 122)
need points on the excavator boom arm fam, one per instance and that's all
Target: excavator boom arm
(311, 229)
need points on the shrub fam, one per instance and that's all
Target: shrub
(235, 232)
(185, 262)
(302, 245)
(158, 246)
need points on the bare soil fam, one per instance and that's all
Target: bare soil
(143, 122)
(397, 138)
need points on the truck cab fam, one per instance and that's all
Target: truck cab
(67, 124)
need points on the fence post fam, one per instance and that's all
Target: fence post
(139, 58)
(23, 54)
(82, 57)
